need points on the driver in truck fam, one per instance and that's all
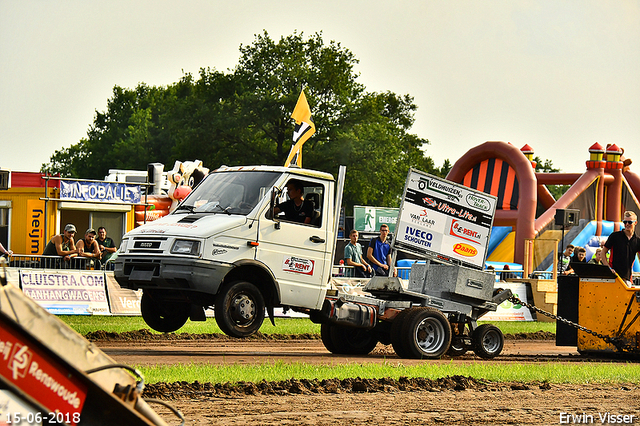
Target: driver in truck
(296, 208)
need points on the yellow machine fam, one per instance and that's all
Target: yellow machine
(605, 305)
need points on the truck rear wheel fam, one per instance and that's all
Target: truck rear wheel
(397, 340)
(352, 341)
(426, 333)
(239, 309)
(327, 339)
(163, 315)
(488, 341)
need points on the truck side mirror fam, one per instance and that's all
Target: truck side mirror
(272, 205)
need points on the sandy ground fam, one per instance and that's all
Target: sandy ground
(502, 405)
(450, 401)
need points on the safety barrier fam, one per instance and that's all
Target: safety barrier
(50, 262)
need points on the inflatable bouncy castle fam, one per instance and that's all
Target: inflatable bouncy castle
(524, 227)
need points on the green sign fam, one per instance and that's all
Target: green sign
(369, 219)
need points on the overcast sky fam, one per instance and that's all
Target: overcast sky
(557, 75)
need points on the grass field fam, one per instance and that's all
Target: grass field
(118, 324)
(552, 372)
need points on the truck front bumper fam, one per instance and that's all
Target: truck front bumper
(170, 273)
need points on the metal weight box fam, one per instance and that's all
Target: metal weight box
(446, 280)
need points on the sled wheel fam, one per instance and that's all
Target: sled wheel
(426, 333)
(397, 341)
(488, 341)
(239, 309)
(163, 315)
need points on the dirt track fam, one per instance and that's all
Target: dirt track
(453, 400)
(307, 351)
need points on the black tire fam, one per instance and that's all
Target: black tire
(426, 333)
(162, 315)
(488, 341)
(239, 309)
(327, 340)
(352, 341)
(397, 342)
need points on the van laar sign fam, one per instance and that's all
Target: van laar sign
(106, 192)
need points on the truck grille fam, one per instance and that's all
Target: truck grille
(148, 245)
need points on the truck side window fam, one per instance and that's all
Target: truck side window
(309, 211)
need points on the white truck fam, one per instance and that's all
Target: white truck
(223, 247)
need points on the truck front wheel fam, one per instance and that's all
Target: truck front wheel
(239, 309)
(163, 315)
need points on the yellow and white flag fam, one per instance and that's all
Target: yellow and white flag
(303, 130)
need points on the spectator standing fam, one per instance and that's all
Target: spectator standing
(624, 245)
(105, 244)
(579, 255)
(353, 257)
(62, 245)
(88, 247)
(597, 257)
(506, 273)
(378, 252)
(565, 259)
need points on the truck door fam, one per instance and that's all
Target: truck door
(296, 252)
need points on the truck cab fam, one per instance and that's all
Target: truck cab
(223, 247)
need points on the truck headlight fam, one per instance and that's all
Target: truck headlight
(123, 245)
(186, 247)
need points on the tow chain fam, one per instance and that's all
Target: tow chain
(615, 341)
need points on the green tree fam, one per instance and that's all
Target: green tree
(547, 167)
(243, 117)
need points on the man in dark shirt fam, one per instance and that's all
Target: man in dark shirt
(624, 245)
(105, 244)
(295, 209)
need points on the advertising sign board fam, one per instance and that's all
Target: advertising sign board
(66, 292)
(439, 219)
(38, 375)
(507, 311)
(100, 192)
(369, 219)
(35, 226)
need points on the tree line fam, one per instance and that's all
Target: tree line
(242, 117)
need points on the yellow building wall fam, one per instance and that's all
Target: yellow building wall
(26, 221)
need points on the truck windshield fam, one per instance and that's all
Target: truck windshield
(236, 192)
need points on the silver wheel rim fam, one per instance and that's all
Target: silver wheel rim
(491, 341)
(243, 310)
(430, 335)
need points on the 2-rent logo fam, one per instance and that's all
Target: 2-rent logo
(465, 250)
(19, 360)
